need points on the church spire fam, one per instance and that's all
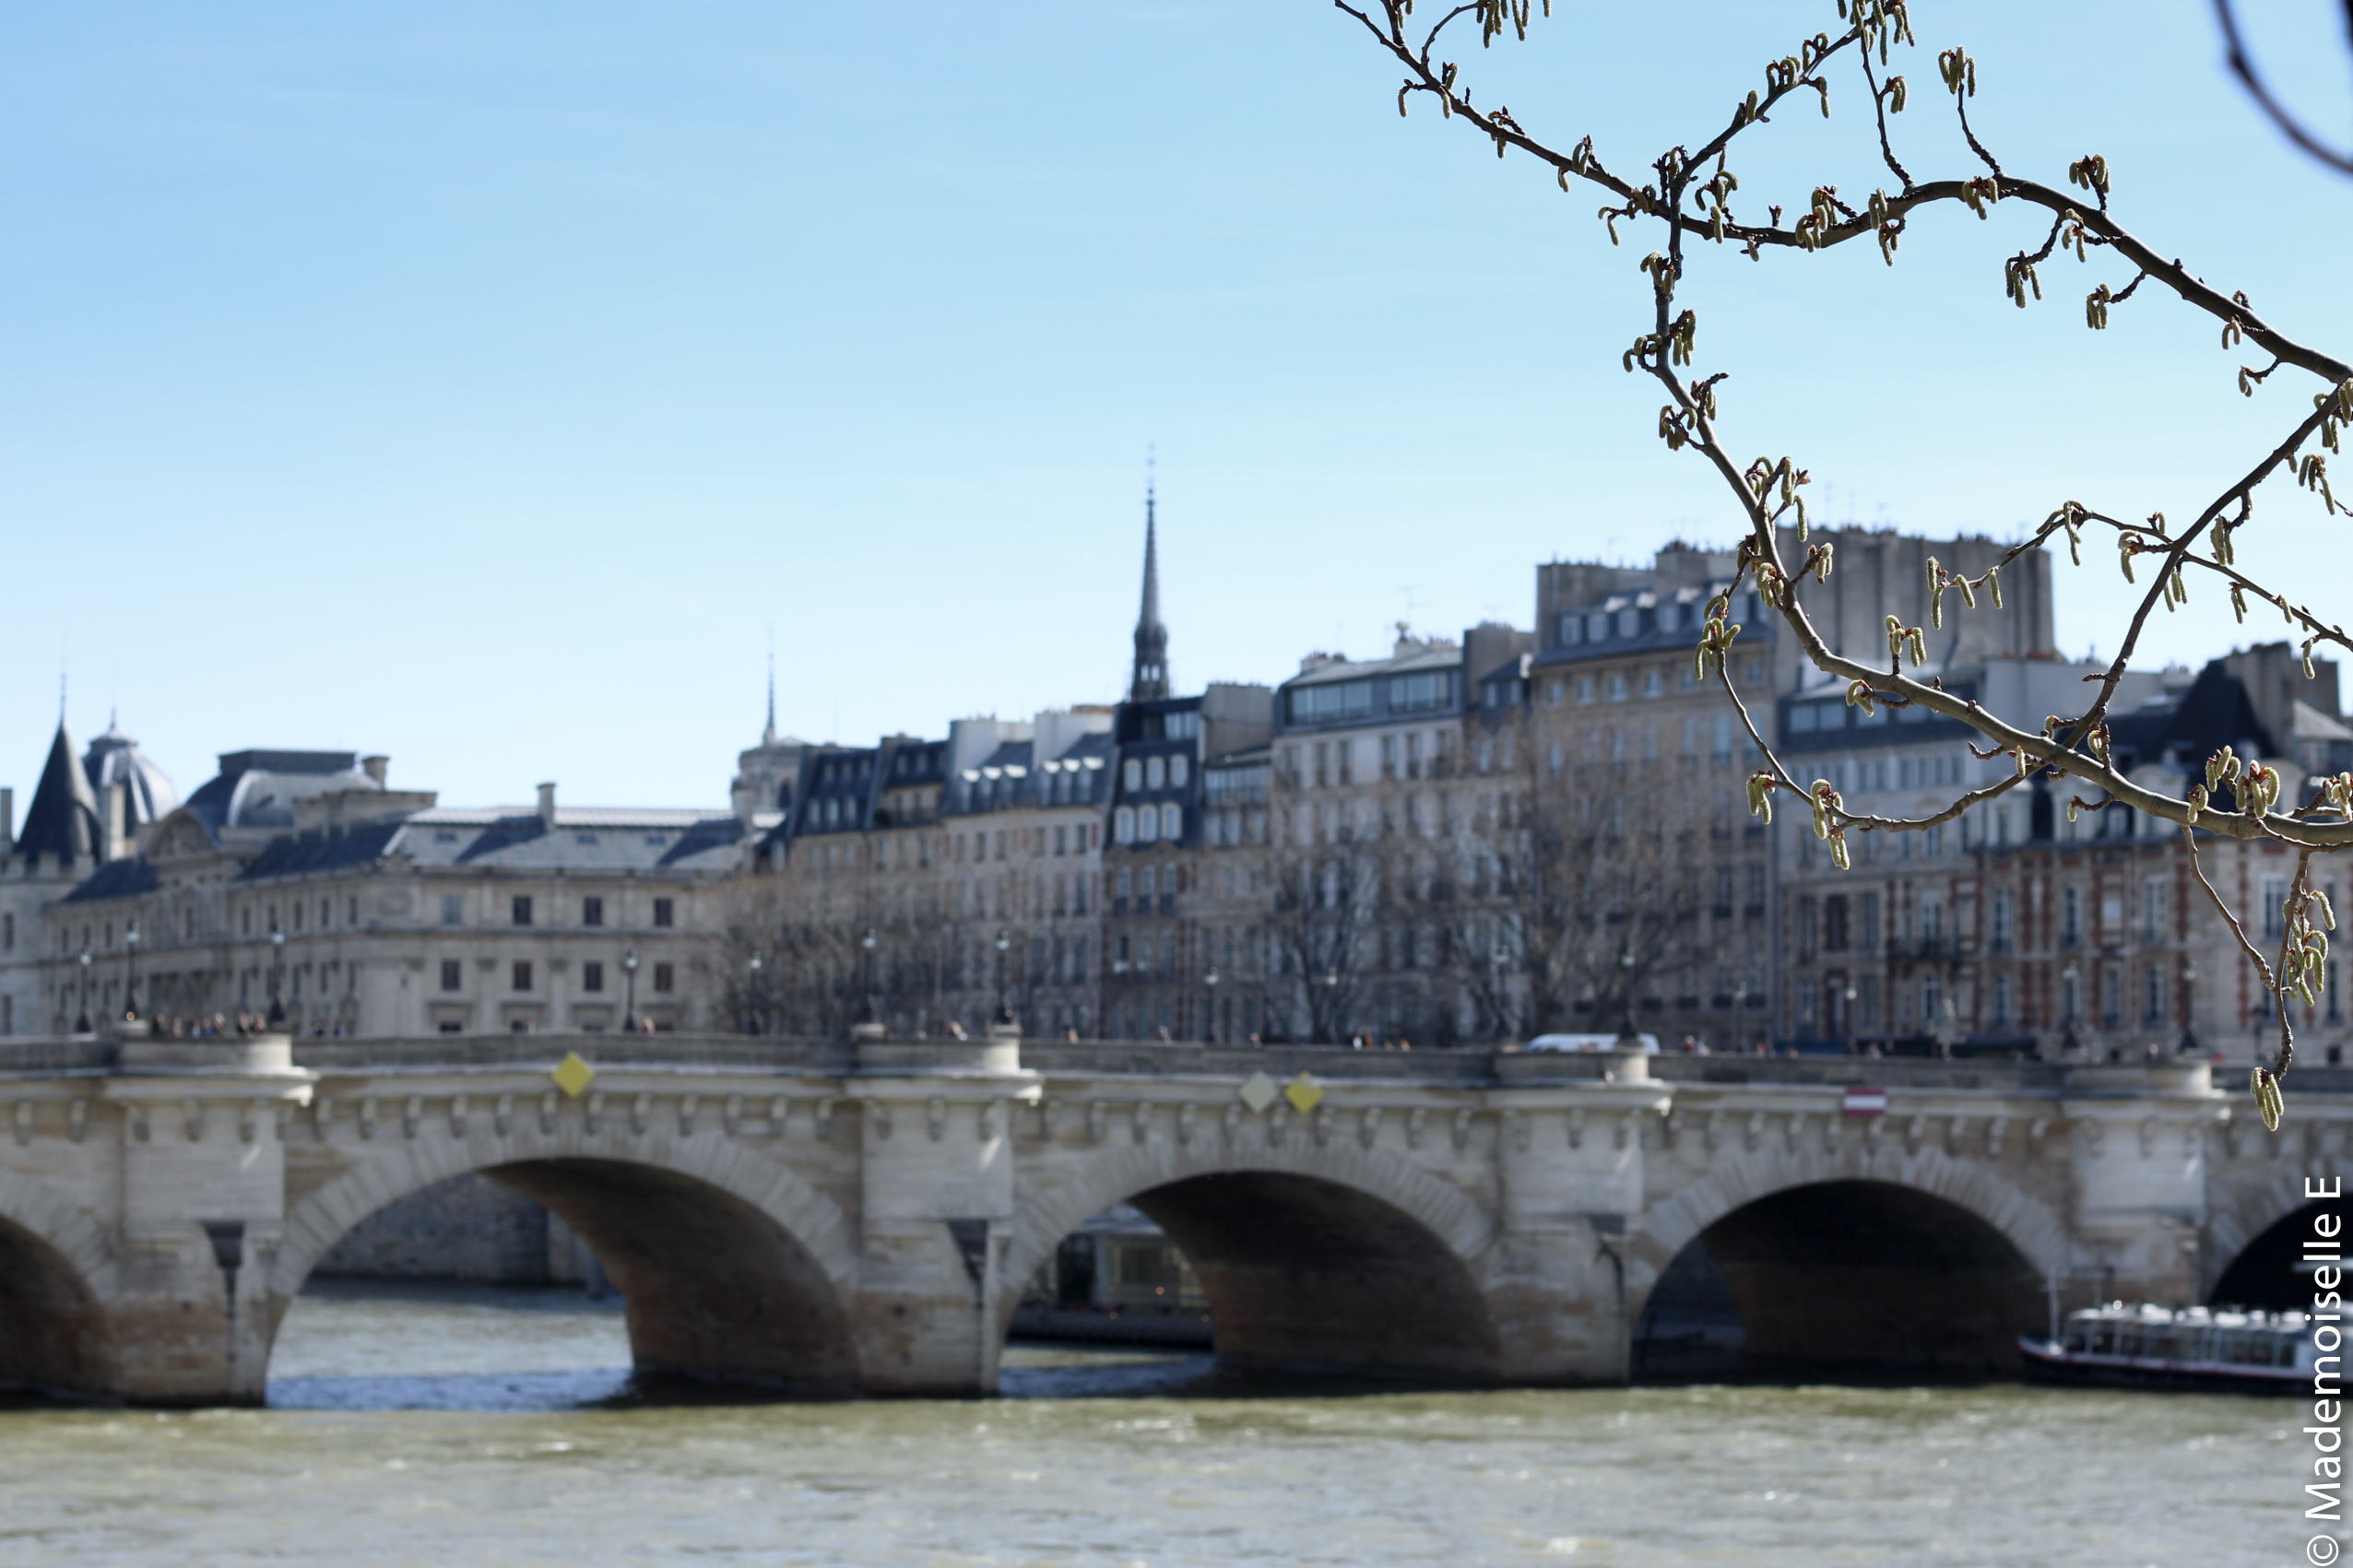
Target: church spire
(1150, 678)
(768, 735)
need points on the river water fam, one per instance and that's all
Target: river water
(441, 1427)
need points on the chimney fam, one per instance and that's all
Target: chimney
(7, 822)
(548, 807)
(375, 768)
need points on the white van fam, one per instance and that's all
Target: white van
(1589, 1043)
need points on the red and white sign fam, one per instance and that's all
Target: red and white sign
(1861, 1101)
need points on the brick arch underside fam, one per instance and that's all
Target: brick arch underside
(57, 1275)
(1343, 1260)
(1868, 1261)
(733, 1269)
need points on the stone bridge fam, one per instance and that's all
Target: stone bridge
(862, 1217)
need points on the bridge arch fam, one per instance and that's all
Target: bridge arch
(1336, 1258)
(2247, 1234)
(1865, 1258)
(732, 1267)
(58, 1283)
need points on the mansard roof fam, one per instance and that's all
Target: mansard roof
(115, 879)
(258, 788)
(63, 821)
(609, 840)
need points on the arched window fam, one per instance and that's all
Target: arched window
(1134, 773)
(1155, 773)
(1147, 824)
(1172, 821)
(1177, 767)
(1123, 825)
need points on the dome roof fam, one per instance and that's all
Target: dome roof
(115, 758)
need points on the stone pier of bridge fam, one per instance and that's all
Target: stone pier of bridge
(861, 1218)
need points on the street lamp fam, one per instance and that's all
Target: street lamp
(2068, 1043)
(81, 1020)
(1209, 1029)
(873, 1002)
(131, 979)
(277, 972)
(1850, 1016)
(1627, 1034)
(629, 992)
(1004, 1009)
(2189, 999)
(751, 1009)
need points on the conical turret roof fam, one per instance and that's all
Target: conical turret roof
(62, 822)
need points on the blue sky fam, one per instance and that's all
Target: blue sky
(482, 385)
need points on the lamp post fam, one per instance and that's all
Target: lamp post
(2068, 1043)
(629, 992)
(1627, 1034)
(1849, 1015)
(2189, 1000)
(131, 976)
(1004, 1009)
(1209, 1028)
(277, 972)
(81, 1019)
(752, 1007)
(873, 1002)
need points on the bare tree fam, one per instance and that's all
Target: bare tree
(2291, 125)
(1686, 193)
(1326, 910)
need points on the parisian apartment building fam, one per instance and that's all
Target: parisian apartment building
(1425, 847)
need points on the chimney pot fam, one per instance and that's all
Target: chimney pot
(547, 805)
(375, 768)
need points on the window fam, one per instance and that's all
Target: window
(2001, 1001)
(1123, 825)
(522, 910)
(1629, 623)
(2071, 922)
(1724, 751)
(592, 976)
(1572, 629)
(665, 978)
(1834, 924)
(2001, 921)
(1147, 824)
(1420, 694)
(1340, 700)
(523, 974)
(1172, 822)
(2152, 910)
(1617, 689)
(1179, 770)
(2153, 995)
(452, 910)
(592, 912)
(2275, 900)
(1131, 775)
(452, 975)
(1155, 773)
(1553, 693)
(1652, 684)
(664, 913)
(7, 932)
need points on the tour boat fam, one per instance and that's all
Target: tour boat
(2127, 1345)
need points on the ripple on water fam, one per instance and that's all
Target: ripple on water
(425, 1427)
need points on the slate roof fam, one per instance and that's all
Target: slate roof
(115, 879)
(63, 821)
(258, 788)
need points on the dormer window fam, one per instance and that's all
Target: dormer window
(1629, 623)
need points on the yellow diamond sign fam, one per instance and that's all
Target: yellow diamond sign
(572, 1074)
(1257, 1091)
(1304, 1092)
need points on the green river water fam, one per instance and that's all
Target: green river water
(445, 1427)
